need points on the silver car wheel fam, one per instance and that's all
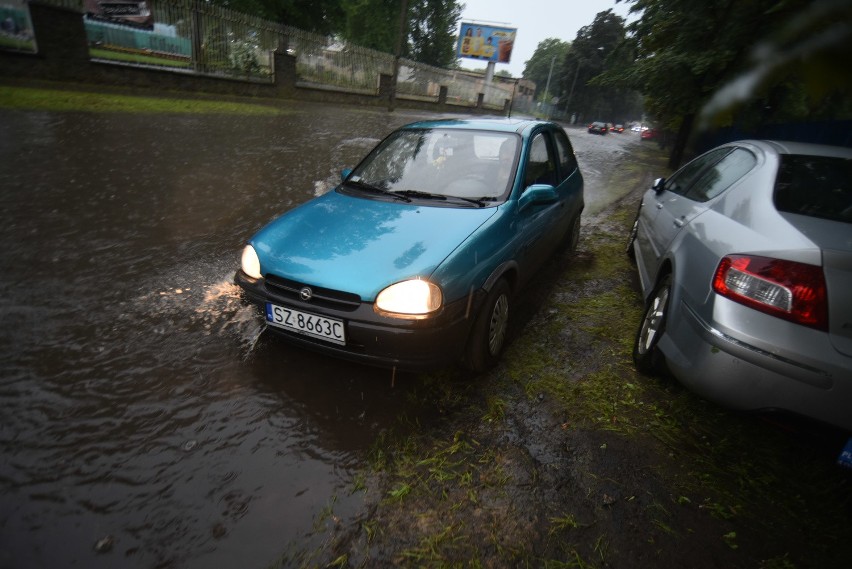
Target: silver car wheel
(652, 326)
(490, 331)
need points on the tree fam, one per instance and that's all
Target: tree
(431, 24)
(432, 31)
(686, 51)
(372, 23)
(318, 16)
(537, 69)
(430, 28)
(799, 71)
(598, 47)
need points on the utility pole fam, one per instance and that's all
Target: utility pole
(547, 88)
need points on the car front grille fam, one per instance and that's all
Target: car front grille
(286, 289)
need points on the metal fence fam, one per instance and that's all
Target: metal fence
(197, 37)
(326, 61)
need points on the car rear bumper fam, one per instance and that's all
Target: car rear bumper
(412, 345)
(740, 375)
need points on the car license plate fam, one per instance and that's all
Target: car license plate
(329, 329)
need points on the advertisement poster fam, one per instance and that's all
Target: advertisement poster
(16, 28)
(487, 43)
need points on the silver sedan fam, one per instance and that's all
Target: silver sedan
(745, 261)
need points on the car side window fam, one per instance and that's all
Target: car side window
(722, 175)
(540, 167)
(565, 153)
(681, 180)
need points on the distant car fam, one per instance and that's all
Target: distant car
(598, 128)
(618, 128)
(649, 134)
(413, 260)
(636, 128)
(745, 261)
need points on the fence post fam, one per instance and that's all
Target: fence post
(60, 32)
(197, 28)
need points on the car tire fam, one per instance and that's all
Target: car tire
(572, 237)
(631, 239)
(646, 355)
(488, 336)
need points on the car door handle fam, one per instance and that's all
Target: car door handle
(659, 206)
(680, 222)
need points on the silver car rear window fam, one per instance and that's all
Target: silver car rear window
(816, 186)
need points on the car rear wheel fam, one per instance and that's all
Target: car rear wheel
(646, 356)
(631, 239)
(489, 331)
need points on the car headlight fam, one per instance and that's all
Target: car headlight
(409, 299)
(250, 263)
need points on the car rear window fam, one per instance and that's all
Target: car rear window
(816, 186)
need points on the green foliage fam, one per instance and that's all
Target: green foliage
(598, 47)
(430, 25)
(363, 25)
(432, 31)
(550, 51)
(60, 100)
(760, 62)
(318, 16)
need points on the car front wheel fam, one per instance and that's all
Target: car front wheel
(646, 356)
(489, 331)
(572, 239)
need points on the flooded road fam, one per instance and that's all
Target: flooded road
(147, 420)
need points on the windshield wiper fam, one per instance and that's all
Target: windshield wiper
(362, 185)
(476, 201)
(419, 194)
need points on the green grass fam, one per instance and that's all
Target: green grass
(728, 467)
(38, 99)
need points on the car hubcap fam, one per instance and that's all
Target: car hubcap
(497, 326)
(653, 320)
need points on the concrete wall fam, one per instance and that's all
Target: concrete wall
(63, 55)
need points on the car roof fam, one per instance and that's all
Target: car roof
(518, 125)
(803, 148)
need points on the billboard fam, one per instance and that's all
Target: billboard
(487, 43)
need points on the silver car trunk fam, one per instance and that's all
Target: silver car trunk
(837, 267)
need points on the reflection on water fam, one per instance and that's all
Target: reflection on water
(147, 420)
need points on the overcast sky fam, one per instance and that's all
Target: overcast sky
(536, 20)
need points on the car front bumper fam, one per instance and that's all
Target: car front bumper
(740, 375)
(412, 345)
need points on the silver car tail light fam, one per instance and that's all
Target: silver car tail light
(785, 289)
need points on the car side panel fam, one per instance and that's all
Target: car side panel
(738, 356)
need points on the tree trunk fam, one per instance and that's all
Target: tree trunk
(683, 134)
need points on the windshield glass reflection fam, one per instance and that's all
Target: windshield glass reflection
(442, 162)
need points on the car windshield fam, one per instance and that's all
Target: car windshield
(816, 186)
(441, 164)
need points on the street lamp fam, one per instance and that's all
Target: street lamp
(547, 88)
(574, 82)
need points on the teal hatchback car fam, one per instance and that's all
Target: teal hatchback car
(413, 260)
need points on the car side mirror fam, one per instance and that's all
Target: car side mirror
(345, 174)
(538, 194)
(659, 185)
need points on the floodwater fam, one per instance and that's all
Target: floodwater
(147, 420)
